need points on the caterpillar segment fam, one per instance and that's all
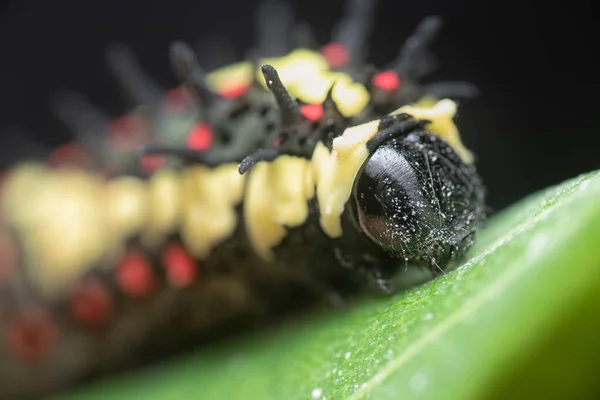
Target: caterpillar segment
(227, 203)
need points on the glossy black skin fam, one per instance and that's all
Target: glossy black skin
(414, 202)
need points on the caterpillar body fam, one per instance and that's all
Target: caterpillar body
(258, 189)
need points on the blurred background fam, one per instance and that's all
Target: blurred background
(535, 123)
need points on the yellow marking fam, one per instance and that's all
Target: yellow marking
(232, 76)
(65, 228)
(127, 200)
(209, 200)
(295, 68)
(306, 76)
(427, 101)
(350, 97)
(336, 172)
(441, 114)
(276, 198)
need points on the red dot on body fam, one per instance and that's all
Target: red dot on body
(177, 99)
(72, 154)
(91, 304)
(134, 274)
(151, 162)
(336, 54)
(180, 266)
(312, 112)
(32, 336)
(127, 133)
(387, 80)
(200, 137)
(233, 92)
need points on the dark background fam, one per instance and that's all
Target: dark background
(535, 123)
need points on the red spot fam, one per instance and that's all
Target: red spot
(387, 80)
(91, 304)
(200, 137)
(134, 274)
(336, 54)
(127, 133)
(9, 256)
(72, 154)
(312, 112)
(233, 92)
(151, 162)
(177, 99)
(181, 267)
(32, 336)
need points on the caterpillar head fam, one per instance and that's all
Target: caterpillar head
(415, 198)
(409, 200)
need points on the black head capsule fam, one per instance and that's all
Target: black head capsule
(418, 201)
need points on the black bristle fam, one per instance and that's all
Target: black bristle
(330, 108)
(353, 29)
(138, 86)
(253, 56)
(303, 36)
(290, 112)
(86, 122)
(390, 120)
(188, 70)
(395, 130)
(215, 51)
(268, 154)
(415, 46)
(424, 65)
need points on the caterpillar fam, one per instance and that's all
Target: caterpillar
(248, 192)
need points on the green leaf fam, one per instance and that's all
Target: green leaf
(519, 318)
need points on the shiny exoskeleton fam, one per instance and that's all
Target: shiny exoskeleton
(418, 201)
